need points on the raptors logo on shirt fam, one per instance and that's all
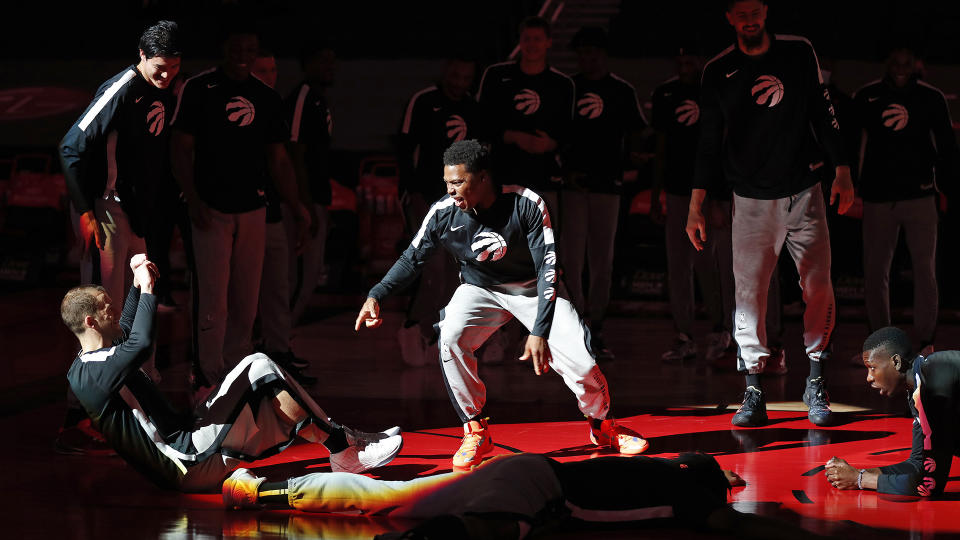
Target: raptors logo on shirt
(527, 101)
(895, 117)
(156, 118)
(688, 113)
(456, 128)
(590, 105)
(767, 90)
(240, 111)
(491, 245)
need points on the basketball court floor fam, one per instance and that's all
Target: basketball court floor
(364, 384)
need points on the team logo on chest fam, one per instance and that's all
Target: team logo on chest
(687, 113)
(240, 111)
(767, 90)
(489, 245)
(590, 105)
(527, 101)
(895, 117)
(156, 118)
(456, 128)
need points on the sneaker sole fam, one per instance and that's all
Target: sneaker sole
(477, 460)
(388, 459)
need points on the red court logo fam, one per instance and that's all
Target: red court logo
(590, 105)
(767, 90)
(527, 101)
(895, 117)
(491, 244)
(240, 111)
(156, 118)
(456, 128)
(688, 113)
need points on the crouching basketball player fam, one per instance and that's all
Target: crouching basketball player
(256, 411)
(504, 244)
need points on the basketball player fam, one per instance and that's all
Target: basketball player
(529, 107)
(504, 243)
(255, 412)
(521, 495)
(228, 143)
(908, 149)
(606, 115)
(765, 120)
(932, 384)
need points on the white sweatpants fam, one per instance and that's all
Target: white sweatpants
(474, 313)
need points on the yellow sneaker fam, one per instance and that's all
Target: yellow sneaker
(476, 443)
(620, 438)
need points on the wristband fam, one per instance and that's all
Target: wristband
(860, 478)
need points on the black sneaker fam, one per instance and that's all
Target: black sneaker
(815, 397)
(753, 411)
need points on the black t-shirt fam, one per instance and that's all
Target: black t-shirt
(765, 122)
(312, 125)
(909, 143)
(122, 137)
(513, 100)
(431, 123)
(676, 115)
(606, 111)
(232, 122)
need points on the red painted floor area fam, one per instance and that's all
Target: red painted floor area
(678, 408)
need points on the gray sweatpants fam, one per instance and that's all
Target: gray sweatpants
(760, 230)
(229, 257)
(881, 230)
(474, 313)
(589, 241)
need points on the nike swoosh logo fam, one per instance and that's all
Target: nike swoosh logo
(872, 99)
(732, 73)
(435, 109)
(457, 227)
(211, 85)
(506, 79)
(138, 99)
(667, 94)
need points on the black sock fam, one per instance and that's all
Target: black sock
(753, 379)
(816, 369)
(273, 494)
(337, 441)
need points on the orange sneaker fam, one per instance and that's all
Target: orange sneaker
(476, 443)
(620, 438)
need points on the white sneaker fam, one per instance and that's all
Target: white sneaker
(240, 489)
(366, 451)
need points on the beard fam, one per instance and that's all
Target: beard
(754, 41)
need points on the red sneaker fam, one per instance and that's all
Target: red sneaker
(476, 443)
(620, 438)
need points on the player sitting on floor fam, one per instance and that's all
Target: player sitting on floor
(256, 411)
(934, 399)
(504, 244)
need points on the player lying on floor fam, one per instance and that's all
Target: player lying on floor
(933, 394)
(510, 496)
(256, 411)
